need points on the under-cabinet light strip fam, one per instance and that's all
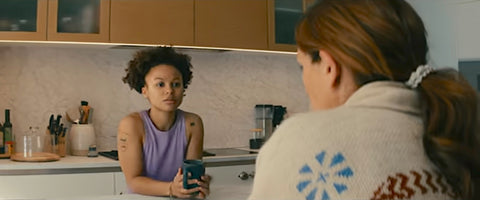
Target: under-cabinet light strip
(120, 45)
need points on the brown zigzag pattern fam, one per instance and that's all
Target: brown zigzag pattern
(440, 183)
(392, 194)
(429, 181)
(379, 190)
(418, 177)
(404, 186)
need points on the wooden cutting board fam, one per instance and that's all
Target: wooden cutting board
(35, 157)
(4, 155)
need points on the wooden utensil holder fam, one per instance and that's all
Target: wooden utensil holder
(55, 144)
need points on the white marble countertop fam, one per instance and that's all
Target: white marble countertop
(83, 164)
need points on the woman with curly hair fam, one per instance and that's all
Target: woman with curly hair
(153, 143)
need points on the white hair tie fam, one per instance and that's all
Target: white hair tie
(417, 76)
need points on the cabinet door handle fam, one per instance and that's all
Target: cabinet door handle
(243, 175)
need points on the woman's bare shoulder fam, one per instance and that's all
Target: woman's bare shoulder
(131, 123)
(192, 117)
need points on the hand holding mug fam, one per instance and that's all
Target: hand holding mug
(177, 189)
(193, 170)
(204, 186)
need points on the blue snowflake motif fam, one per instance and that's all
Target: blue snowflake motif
(324, 178)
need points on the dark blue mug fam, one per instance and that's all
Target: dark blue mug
(196, 170)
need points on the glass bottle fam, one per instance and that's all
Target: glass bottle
(2, 140)
(8, 134)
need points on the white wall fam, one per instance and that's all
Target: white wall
(453, 27)
(439, 19)
(468, 26)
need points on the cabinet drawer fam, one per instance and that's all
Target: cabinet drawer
(229, 175)
(56, 185)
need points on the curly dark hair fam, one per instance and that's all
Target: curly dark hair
(146, 59)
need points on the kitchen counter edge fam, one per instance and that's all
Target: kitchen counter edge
(100, 164)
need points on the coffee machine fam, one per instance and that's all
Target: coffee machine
(267, 118)
(278, 115)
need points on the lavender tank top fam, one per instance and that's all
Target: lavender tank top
(163, 151)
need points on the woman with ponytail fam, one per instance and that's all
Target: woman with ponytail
(383, 123)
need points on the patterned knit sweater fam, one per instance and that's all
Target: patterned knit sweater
(369, 148)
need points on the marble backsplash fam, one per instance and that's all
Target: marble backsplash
(37, 81)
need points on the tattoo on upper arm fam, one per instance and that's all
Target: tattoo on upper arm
(123, 141)
(192, 123)
(123, 147)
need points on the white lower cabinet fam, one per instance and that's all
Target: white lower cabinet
(109, 183)
(226, 181)
(56, 185)
(120, 183)
(221, 177)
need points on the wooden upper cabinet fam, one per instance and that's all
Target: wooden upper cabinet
(231, 23)
(283, 16)
(78, 20)
(168, 22)
(23, 19)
